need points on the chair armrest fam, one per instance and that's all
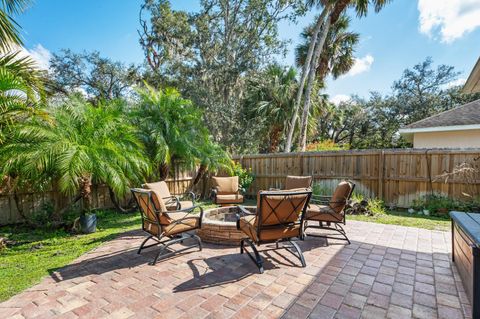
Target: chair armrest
(242, 212)
(191, 195)
(171, 199)
(274, 189)
(320, 199)
(188, 211)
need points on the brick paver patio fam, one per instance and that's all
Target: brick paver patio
(387, 271)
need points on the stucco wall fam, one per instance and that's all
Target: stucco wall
(451, 139)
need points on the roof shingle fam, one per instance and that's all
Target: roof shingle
(467, 114)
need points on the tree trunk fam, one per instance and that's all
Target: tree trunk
(19, 206)
(274, 139)
(305, 71)
(201, 171)
(86, 193)
(311, 79)
(131, 207)
(163, 170)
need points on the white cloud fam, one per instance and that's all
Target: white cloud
(38, 54)
(41, 55)
(450, 19)
(457, 82)
(361, 65)
(339, 98)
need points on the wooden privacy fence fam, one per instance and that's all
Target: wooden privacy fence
(397, 176)
(32, 202)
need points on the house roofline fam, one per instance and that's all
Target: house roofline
(439, 129)
(472, 84)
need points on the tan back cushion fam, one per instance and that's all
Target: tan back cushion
(340, 196)
(225, 185)
(149, 209)
(277, 209)
(160, 188)
(145, 204)
(293, 182)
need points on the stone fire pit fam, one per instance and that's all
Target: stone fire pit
(219, 226)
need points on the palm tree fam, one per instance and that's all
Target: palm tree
(83, 145)
(10, 44)
(270, 98)
(9, 33)
(173, 132)
(18, 99)
(332, 10)
(336, 58)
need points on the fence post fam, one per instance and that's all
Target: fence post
(381, 174)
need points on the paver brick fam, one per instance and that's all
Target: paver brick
(387, 272)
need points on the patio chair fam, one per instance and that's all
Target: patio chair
(278, 218)
(293, 182)
(163, 226)
(327, 211)
(172, 202)
(225, 190)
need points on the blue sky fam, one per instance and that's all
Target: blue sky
(401, 35)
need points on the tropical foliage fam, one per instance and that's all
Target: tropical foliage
(172, 130)
(82, 145)
(209, 86)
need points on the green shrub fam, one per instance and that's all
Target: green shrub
(439, 205)
(320, 190)
(376, 206)
(43, 216)
(245, 176)
(359, 205)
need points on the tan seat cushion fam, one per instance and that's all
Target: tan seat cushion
(229, 199)
(189, 223)
(183, 204)
(292, 182)
(225, 185)
(322, 213)
(247, 225)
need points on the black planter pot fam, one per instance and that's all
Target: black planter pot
(88, 223)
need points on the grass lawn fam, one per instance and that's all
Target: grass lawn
(37, 253)
(403, 218)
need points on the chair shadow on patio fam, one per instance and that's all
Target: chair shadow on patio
(224, 269)
(126, 257)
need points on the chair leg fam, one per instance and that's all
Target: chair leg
(299, 252)
(338, 228)
(199, 242)
(174, 241)
(257, 259)
(242, 243)
(143, 243)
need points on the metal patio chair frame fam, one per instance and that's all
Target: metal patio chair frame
(337, 224)
(293, 247)
(160, 236)
(175, 199)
